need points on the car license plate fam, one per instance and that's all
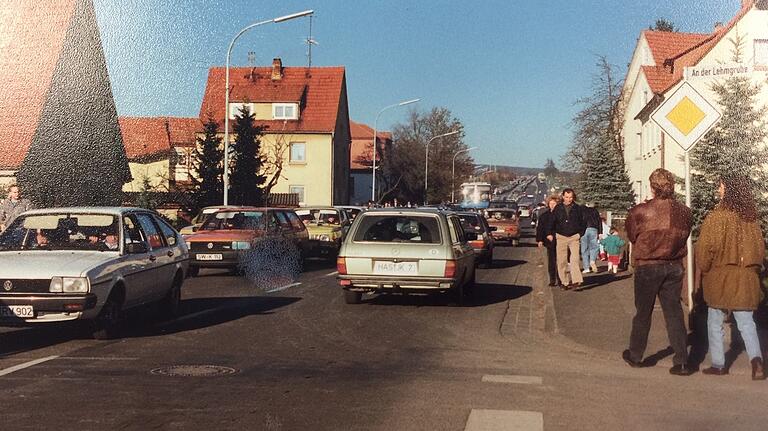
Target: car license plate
(395, 268)
(217, 256)
(23, 311)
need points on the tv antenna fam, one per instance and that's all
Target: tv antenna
(310, 41)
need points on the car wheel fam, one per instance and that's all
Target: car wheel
(108, 322)
(170, 306)
(193, 271)
(351, 297)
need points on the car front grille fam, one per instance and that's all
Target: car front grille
(203, 246)
(11, 285)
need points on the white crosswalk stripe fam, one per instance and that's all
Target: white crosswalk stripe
(504, 420)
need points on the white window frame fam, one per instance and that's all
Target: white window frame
(761, 53)
(291, 159)
(281, 107)
(183, 167)
(298, 189)
(234, 108)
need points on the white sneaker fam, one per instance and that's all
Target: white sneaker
(586, 271)
(615, 270)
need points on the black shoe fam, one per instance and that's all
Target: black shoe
(681, 370)
(628, 359)
(714, 371)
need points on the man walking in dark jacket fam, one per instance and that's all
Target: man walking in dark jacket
(658, 230)
(567, 227)
(589, 245)
(544, 221)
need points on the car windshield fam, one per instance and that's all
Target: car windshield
(385, 228)
(319, 216)
(62, 231)
(234, 220)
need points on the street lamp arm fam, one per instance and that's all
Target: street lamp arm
(375, 124)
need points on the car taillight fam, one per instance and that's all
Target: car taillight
(341, 265)
(477, 244)
(450, 268)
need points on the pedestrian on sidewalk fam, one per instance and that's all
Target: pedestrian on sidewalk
(658, 229)
(613, 244)
(545, 219)
(566, 228)
(589, 245)
(12, 207)
(606, 230)
(730, 253)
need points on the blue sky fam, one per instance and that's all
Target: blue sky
(509, 70)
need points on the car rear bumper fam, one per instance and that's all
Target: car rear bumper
(49, 308)
(373, 283)
(506, 236)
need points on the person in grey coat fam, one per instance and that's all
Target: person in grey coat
(12, 207)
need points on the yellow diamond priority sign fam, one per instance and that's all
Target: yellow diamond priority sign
(686, 116)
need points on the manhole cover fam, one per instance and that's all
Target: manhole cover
(194, 370)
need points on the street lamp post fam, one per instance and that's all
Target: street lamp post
(453, 171)
(426, 161)
(373, 169)
(226, 92)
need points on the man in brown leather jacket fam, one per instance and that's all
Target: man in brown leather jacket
(658, 230)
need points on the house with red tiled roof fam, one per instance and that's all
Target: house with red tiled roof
(361, 158)
(657, 69)
(305, 116)
(159, 149)
(56, 105)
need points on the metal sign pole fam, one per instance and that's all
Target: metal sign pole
(689, 256)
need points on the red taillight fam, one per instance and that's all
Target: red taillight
(450, 268)
(73, 307)
(345, 282)
(477, 244)
(341, 265)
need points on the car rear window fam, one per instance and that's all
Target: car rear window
(501, 215)
(399, 228)
(472, 223)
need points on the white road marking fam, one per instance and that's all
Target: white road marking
(279, 289)
(97, 358)
(193, 315)
(331, 274)
(15, 368)
(504, 420)
(520, 380)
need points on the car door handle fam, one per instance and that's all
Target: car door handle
(170, 253)
(152, 257)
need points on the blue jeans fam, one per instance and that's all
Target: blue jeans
(589, 247)
(715, 331)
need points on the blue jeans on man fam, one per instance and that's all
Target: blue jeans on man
(589, 248)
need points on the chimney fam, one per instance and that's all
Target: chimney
(277, 69)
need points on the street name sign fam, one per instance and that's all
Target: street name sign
(686, 116)
(718, 71)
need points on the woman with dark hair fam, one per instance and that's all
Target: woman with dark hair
(730, 253)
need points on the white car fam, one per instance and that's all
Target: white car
(90, 264)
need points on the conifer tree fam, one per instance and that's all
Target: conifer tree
(735, 145)
(246, 179)
(604, 179)
(207, 161)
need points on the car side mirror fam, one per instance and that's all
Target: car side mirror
(470, 236)
(493, 228)
(136, 248)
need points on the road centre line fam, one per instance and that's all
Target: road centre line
(96, 358)
(15, 368)
(331, 274)
(504, 420)
(279, 289)
(519, 380)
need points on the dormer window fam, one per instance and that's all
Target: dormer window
(285, 111)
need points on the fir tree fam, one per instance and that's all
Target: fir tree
(246, 179)
(604, 179)
(207, 161)
(735, 145)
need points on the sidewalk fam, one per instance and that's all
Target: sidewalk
(599, 316)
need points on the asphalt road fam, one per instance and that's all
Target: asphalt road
(301, 359)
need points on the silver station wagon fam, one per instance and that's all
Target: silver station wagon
(406, 251)
(89, 264)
